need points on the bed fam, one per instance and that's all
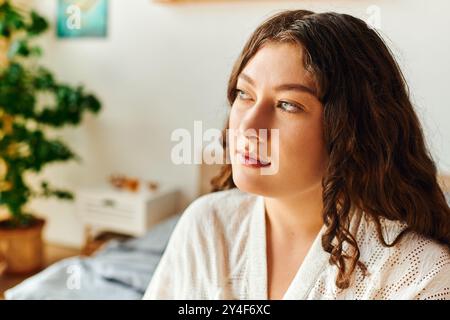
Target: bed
(119, 270)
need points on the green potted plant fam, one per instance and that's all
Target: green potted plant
(31, 103)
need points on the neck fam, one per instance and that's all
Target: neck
(296, 215)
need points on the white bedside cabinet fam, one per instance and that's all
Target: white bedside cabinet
(125, 212)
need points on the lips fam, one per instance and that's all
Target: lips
(251, 161)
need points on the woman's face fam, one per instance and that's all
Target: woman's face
(274, 91)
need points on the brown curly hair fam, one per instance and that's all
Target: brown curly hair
(378, 161)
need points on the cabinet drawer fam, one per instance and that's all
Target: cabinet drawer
(124, 212)
(125, 215)
(110, 206)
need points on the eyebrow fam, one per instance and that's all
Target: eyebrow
(283, 87)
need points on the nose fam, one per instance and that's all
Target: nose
(255, 118)
(254, 125)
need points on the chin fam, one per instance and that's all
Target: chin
(253, 183)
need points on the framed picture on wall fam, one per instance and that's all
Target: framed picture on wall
(82, 18)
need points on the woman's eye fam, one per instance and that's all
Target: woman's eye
(242, 94)
(289, 107)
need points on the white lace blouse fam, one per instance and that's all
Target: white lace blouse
(218, 251)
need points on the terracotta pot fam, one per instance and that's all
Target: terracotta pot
(21, 249)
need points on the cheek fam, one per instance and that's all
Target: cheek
(302, 147)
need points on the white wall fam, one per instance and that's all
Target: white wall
(164, 66)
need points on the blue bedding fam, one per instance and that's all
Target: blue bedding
(121, 270)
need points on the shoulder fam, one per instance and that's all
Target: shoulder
(430, 258)
(412, 246)
(217, 210)
(424, 267)
(416, 267)
(226, 200)
(202, 244)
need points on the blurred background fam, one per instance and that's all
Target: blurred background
(163, 65)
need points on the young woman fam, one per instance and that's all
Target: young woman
(354, 210)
